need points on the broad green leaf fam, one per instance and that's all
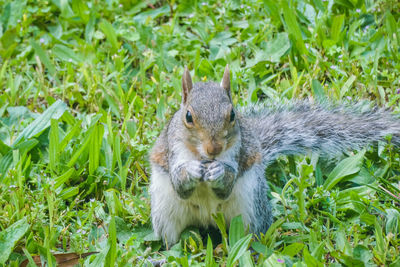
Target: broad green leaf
(112, 241)
(18, 113)
(90, 26)
(363, 254)
(274, 260)
(73, 132)
(272, 51)
(223, 38)
(108, 29)
(123, 229)
(85, 142)
(274, 226)
(220, 221)
(341, 241)
(236, 230)
(100, 258)
(2, 72)
(318, 91)
(246, 259)
(318, 251)
(319, 4)
(272, 8)
(395, 263)
(205, 68)
(238, 250)
(363, 177)
(44, 58)
(293, 27)
(309, 259)
(10, 236)
(293, 249)
(259, 247)
(336, 29)
(5, 163)
(345, 3)
(277, 47)
(113, 203)
(209, 261)
(4, 148)
(7, 160)
(117, 152)
(142, 17)
(5, 17)
(60, 180)
(30, 259)
(219, 45)
(94, 148)
(183, 261)
(26, 146)
(380, 240)
(14, 11)
(392, 221)
(81, 9)
(392, 29)
(151, 237)
(347, 85)
(66, 54)
(53, 145)
(348, 166)
(69, 192)
(66, 10)
(42, 122)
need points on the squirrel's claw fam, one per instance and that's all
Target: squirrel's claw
(195, 169)
(215, 171)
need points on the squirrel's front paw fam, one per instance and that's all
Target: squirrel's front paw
(186, 176)
(194, 169)
(214, 173)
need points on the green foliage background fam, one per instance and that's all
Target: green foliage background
(86, 86)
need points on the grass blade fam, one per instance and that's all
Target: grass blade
(293, 28)
(348, 166)
(10, 236)
(42, 122)
(53, 145)
(95, 146)
(44, 58)
(209, 254)
(336, 29)
(107, 28)
(238, 250)
(318, 91)
(236, 230)
(112, 241)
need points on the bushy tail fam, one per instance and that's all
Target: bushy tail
(302, 126)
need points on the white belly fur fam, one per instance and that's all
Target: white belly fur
(171, 214)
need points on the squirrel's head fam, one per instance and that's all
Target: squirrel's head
(209, 116)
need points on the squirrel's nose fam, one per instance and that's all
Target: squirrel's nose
(213, 149)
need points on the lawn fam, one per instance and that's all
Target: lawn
(87, 86)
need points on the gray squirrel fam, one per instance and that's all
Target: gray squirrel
(211, 158)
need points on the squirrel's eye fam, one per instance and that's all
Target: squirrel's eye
(232, 118)
(189, 118)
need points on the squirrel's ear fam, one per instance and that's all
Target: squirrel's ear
(187, 84)
(226, 81)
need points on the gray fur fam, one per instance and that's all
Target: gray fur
(192, 185)
(301, 126)
(212, 102)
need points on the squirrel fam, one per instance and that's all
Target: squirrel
(211, 157)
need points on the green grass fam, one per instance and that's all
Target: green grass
(86, 87)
